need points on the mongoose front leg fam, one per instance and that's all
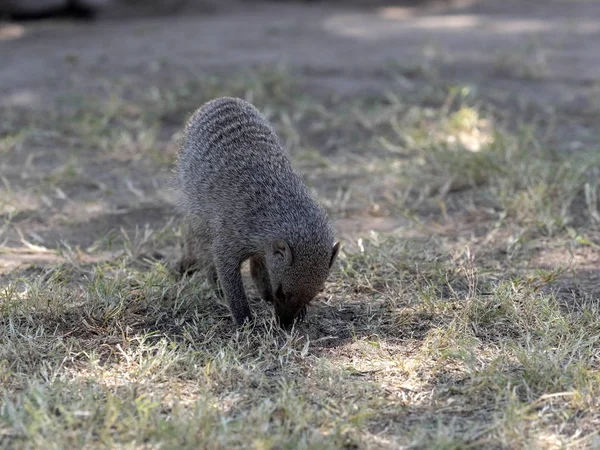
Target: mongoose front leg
(260, 276)
(230, 278)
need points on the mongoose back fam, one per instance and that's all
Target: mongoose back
(240, 199)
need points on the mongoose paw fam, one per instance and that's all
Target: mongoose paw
(241, 314)
(241, 322)
(186, 266)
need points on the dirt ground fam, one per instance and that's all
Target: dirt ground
(553, 43)
(535, 57)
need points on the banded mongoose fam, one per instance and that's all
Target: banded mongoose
(240, 199)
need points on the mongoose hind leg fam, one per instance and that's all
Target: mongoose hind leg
(188, 263)
(260, 276)
(196, 253)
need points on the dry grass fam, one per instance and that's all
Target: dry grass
(475, 324)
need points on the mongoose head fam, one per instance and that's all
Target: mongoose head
(297, 275)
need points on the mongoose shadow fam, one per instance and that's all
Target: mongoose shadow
(240, 200)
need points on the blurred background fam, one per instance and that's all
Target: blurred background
(94, 94)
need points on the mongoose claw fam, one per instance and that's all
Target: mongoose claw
(302, 314)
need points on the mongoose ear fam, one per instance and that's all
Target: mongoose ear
(282, 250)
(336, 248)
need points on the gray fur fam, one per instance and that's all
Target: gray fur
(240, 199)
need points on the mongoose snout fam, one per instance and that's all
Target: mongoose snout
(240, 199)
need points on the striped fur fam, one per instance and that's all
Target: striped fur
(240, 199)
